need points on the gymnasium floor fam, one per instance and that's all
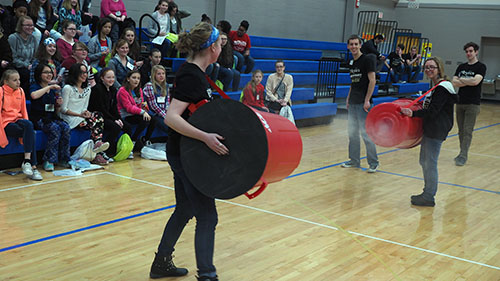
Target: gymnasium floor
(321, 223)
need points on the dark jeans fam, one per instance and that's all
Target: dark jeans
(141, 125)
(429, 154)
(164, 48)
(396, 73)
(112, 131)
(160, 123)
(190, 202)
(23, 128)
(415, 70)
(226, 75)
(248, 61)
(213, 71)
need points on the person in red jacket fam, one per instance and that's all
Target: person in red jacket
(254, 92)
(133, 108)
(241, 47)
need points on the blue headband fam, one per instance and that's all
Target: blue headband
(213, 37)
(49, 41)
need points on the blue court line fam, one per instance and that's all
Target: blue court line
(83, 229)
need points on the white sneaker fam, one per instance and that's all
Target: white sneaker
(27, 170)
(100, 146)
(131, 155)
(109, 159)
(36, 175)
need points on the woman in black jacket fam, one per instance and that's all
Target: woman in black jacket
(103, 99)
(437, 114)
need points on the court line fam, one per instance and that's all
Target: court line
(472, 153)
(51, 181)
(328, 226)
(83, 229)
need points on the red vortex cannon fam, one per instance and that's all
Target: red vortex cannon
(388, 127)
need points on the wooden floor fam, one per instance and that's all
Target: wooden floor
(323, 223)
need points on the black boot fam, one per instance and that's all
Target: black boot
(206, 278)
(163, 266)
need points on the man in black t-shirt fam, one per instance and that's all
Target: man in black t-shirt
(468, 78)
(359, 102)
(396, 63)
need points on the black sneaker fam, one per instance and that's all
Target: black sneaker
(349, 164)
(419, 200)
(163, 266)
(460, 161)
(207, 278)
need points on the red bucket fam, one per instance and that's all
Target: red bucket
(388, 127)
(263, 148)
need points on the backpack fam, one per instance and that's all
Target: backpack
(84, 151)
(123, 148)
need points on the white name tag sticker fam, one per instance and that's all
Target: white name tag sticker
(49, 107)
(130, 66)
(161, 99)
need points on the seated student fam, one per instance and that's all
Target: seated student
(100, 45)
(224, 26)
(154, 59)
(20, 8)
(227, 72)
(157, 96)
(163, 19)
(79, 55)
(241, 47)
(43, 17)
(254, 92)
(120, 62)
(45, 104)
(14, 121)
(396, 64)
(116, 11)
(67, 40)
(134, 48)
(5, 53)
(279, 88)
(76, 95)
(103, 99)
(47, 53)
(133, 109)
(70, 11)
(23, 45)
(371, 47)
(413, 64)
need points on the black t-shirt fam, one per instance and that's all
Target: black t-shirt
(470, 94)
(395, 60)
(190, 86)
(359, 70)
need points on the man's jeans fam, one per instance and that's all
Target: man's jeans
(356, 117)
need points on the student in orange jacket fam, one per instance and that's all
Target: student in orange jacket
(14, 121)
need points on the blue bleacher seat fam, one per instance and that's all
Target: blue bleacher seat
(296, 43)
(273, 53)
(313, 110)
(406, 88)
(379, 100)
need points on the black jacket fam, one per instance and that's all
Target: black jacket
(369, 47)
(104, 101)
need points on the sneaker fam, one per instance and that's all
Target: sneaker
(372, 168)
(349, 164)
(419, 200)
(27, 170)
(100, 146)
(163, 266)
(64, 164)
(99, 160)
(109, 159)
(36, 176)
(460, 161)
(131, 155)
(47, 166)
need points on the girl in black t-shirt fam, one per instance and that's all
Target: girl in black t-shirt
(203, 45)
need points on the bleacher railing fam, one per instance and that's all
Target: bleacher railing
(143, 31)
(328, 72)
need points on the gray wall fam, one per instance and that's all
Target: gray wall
(449, 29)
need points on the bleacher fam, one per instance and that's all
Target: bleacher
(301, 58)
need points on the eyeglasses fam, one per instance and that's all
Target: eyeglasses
(430, 67)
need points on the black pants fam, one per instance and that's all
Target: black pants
(112, 131)
(141, 125)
